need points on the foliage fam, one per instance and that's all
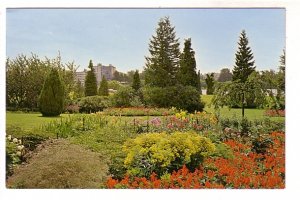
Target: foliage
(244, 170)
(139, 111)
(187, 74)
(238, 94)
(225, 75)
(92, 104)
(115, 85)
(90, 82)
(244, 63)
(161, 152)
(199, 86)
(25, 77)
(136, 85)
(103, 89)
(181, 97)
(210, 82)
(52, 97)
(162, 64)
(123, 97)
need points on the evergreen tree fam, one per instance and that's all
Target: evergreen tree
(244, 66)
(187, 74)
(244, 63)
(136, 84)
(51, 100)
(210, 83)
(163, 63)
(103, 89)
(90, 84)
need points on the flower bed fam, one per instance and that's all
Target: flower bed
(246, 170)
(139, 111)
(275, 113)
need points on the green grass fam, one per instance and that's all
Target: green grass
(225, 112)
(28, 121)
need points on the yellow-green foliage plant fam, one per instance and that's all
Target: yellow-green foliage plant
(162, 153)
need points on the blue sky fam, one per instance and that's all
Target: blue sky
(120, 36)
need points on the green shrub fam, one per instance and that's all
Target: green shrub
(92, 104)
(181, 97)
(162, 153)
(123, 97)
(51, 101)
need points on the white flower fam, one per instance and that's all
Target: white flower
(20, 147)
(9, 137)
(19, 153)
(20, 141)
(15, 140)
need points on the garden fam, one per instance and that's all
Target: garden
(160, 132)
(180, 150)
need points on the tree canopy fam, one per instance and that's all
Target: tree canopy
(90, 83)
(163, 62)
(187, 74)
(52, 96)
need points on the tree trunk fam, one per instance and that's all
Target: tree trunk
(243, 105)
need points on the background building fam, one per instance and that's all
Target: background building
(100, 70)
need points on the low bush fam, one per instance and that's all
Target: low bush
(92, 104)
(181, 97)
(162, 153)
(123, 97)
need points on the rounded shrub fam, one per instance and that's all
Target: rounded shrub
(123, 97)
(179, 96)
(51, 101)
(92, 104)
(162, 153)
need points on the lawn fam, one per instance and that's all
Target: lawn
(28, 121)
(225, 112)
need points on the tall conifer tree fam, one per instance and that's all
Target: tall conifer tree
(51, 101)
(187, 74)
(244, 66)
(163, 63)
(244, 63)
(90, 84)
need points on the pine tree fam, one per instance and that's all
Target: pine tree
(90, 84)
(244, 66)
(136, 84)
(187, 74)
(163, 63)
(51, 101)
(103, 89)
(244, 63)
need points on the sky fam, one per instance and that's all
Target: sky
(121, 36)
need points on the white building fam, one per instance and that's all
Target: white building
(100, 70)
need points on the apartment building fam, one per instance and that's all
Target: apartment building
(100, 70)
